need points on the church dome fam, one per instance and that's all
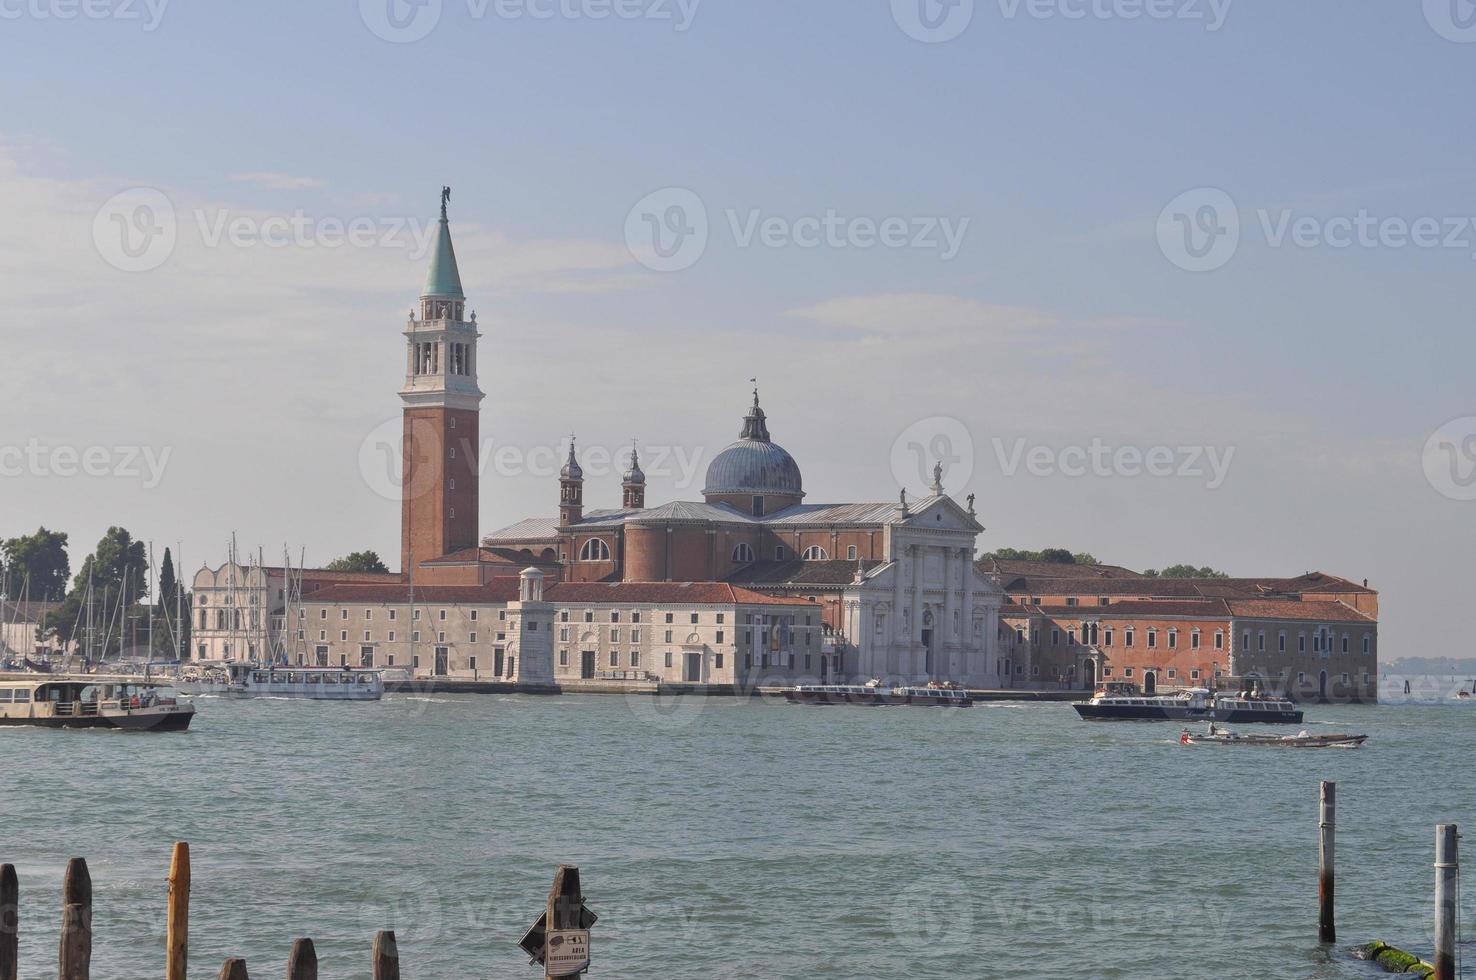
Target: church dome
(754, 464)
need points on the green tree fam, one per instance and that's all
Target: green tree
(359, 561)
(1055, 556)
(118, 569)
(1185, 571)
(40, 559)
(173, 603)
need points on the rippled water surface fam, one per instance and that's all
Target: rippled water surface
(719, 838)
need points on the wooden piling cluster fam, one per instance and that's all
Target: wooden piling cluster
(74, 952)
(1447, 898)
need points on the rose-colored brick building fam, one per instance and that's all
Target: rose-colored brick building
(1314, 636)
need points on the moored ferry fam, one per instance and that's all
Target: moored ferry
(61, 701)
(874, 694)
(1193, 704)
(237, 679)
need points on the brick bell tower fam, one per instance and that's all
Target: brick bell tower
(438, 509)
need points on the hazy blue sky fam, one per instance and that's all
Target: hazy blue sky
(1052, 138)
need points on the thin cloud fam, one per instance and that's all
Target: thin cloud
(278, 182)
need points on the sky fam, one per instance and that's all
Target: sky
(1163, 280)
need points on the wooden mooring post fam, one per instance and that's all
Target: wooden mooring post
(177, 927)
(75, 951)
(558, 941)
(386, 957)
(1447, 888)
(1327, 823)
(234, 969)
(9, 922)
(303, 964)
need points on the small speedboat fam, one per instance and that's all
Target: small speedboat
(1301, 740)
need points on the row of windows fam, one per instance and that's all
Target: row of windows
(1093, 635)
(394, 614)
(390, 636)
(596, 549)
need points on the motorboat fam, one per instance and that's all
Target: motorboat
(1192, 704)
(1301, 740)
(243, 679)
(80, 701)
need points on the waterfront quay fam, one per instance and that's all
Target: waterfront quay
(659, 689)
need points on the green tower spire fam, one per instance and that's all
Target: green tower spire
(443, 281)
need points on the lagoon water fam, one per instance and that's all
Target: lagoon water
(722, 838)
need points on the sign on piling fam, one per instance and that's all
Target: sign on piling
(559, 941)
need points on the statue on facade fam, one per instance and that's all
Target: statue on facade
(938, 478)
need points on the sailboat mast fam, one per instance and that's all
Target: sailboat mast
(150, 658)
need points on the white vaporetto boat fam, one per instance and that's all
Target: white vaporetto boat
(71, 701)
(235, 679)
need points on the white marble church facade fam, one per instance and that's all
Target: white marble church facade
(927, 613)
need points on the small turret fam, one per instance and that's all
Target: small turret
(571, 490)
(633, 483)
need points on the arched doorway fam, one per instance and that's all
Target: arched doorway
(1150, 682)
(1089, 671)
(1322, 685)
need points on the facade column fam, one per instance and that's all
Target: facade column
(966, 641)
(917, 611)
(896, 655)
(952, 634)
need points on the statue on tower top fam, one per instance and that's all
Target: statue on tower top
(445, 196)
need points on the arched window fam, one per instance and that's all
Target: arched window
(594, 550)
(815, 553)
(743, 554)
